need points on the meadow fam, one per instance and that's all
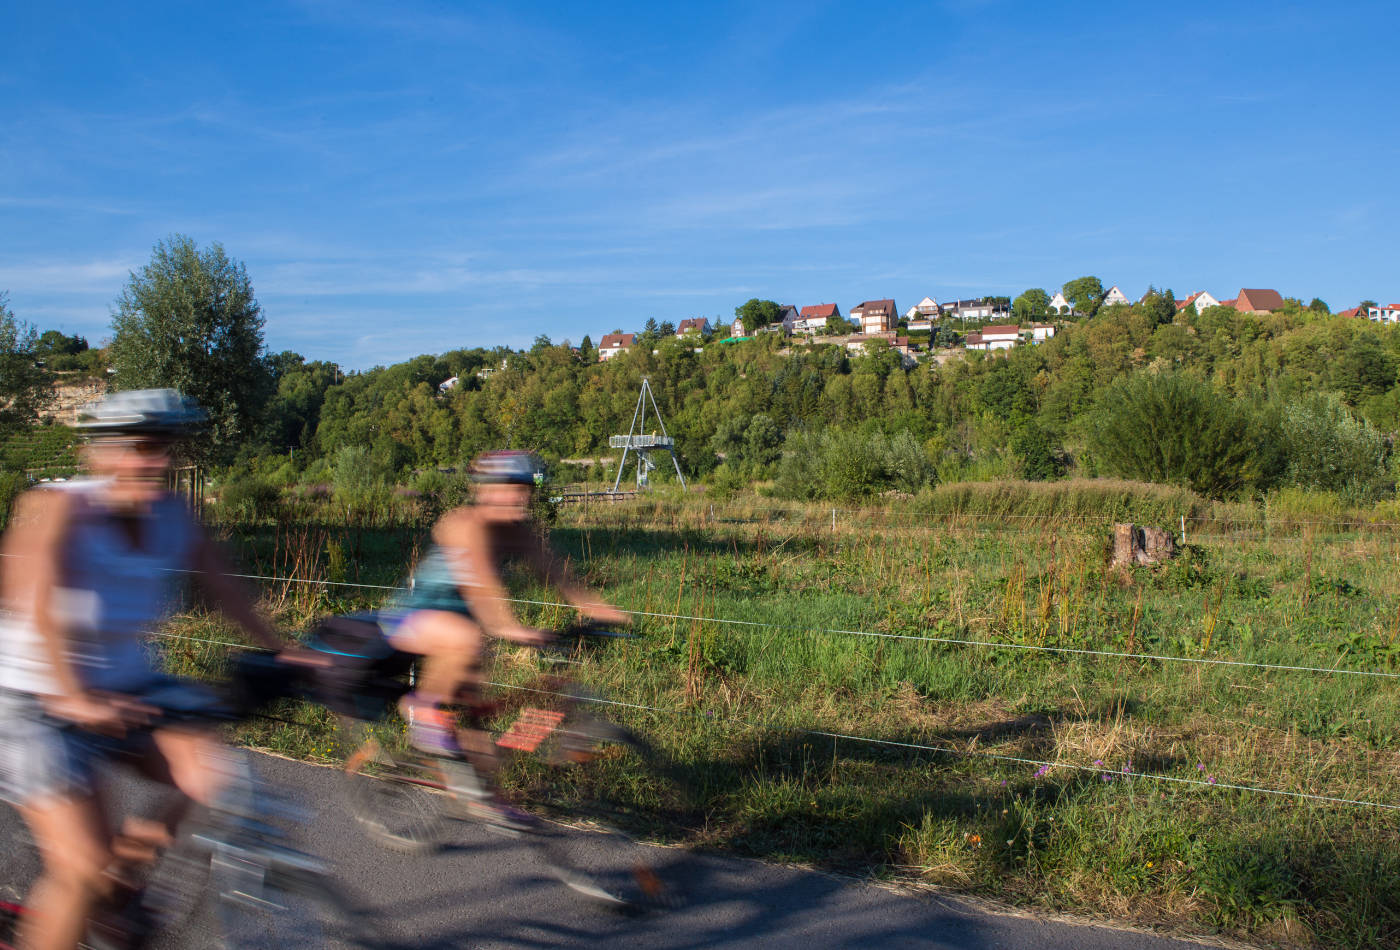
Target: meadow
(970, 697)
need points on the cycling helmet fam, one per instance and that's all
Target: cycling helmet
(510, 468)
(154, 412)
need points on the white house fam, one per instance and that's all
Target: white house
(698, 325)
(978, 308)
(1200, 300)
(927, 308)
(1390, 314)
(812, 319)
(447, 384)
(615, 343)
(1059, 305)
(917, 324)
(1115, 297)
(994, 338)
(1040, 332)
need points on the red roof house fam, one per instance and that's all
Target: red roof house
(1258, 301)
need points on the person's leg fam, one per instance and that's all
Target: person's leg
(72, 840)
(451, 646)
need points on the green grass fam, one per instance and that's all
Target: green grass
(738, 704)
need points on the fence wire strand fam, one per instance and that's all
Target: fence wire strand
(910, 746)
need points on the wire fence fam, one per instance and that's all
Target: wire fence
(1044, 767)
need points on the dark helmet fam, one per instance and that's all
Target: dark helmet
(154, 412)
(509, 468)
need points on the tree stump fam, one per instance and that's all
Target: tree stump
(1141, 544)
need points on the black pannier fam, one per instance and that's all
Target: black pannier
(366, 676)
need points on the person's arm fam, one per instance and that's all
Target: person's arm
(553, 571)
(484, 590)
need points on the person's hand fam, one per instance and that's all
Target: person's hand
(100, 712)
(530, 638)
(606, 613)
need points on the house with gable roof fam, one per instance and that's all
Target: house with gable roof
(1201, 300)
(1060, 306)
(925, 309)
(1258, 301)
(812, 319)
(1389, 314)
(1115, 297)
(615, 343)
(875, 316)
(698, 325)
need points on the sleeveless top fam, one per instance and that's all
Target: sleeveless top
(108, 596)
(436, 584)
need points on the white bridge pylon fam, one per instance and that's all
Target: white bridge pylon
(637, 441)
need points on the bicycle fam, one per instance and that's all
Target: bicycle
(238, 850)
(406, 799)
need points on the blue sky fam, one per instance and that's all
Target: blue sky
(413, 177)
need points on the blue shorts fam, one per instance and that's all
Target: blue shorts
(45, 757)
(39, 758)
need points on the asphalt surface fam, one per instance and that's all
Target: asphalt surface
(485, 890)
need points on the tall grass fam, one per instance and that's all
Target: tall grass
(738, 704)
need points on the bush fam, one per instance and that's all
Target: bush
(845, 465)
(1329, 449)
(249, 498)
(1173, 428)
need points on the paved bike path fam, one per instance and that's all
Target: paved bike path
(483, 890)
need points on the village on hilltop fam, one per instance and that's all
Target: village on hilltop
(913, 334)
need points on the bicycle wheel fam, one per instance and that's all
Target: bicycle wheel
(612, 868)
(397, 800)
(273, 907)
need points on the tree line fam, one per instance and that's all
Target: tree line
(1226, 403)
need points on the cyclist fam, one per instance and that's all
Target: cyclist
(457, 599)
(93, 564)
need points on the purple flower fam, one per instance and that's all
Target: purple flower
(1211, 779)
(1200, 766)
(1098, 761)
(1003, 783)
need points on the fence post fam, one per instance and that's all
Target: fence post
(833, 519)
(1183, 530)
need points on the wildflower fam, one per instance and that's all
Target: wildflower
(1003, 783)
(1149, 864)
(1210, 779)
(1098, 761)
(1200, 766)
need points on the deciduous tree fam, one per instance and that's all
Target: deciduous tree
(1085, 294)
(1032, 304)
(188, 320)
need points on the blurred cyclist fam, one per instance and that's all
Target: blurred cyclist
(457, 599)
(93, 565)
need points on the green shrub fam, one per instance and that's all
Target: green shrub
(1329, 449)
(249, 498)
(1173, 428)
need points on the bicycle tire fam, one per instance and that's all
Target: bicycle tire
(282, 904)
(397, 801)
(642, 884)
